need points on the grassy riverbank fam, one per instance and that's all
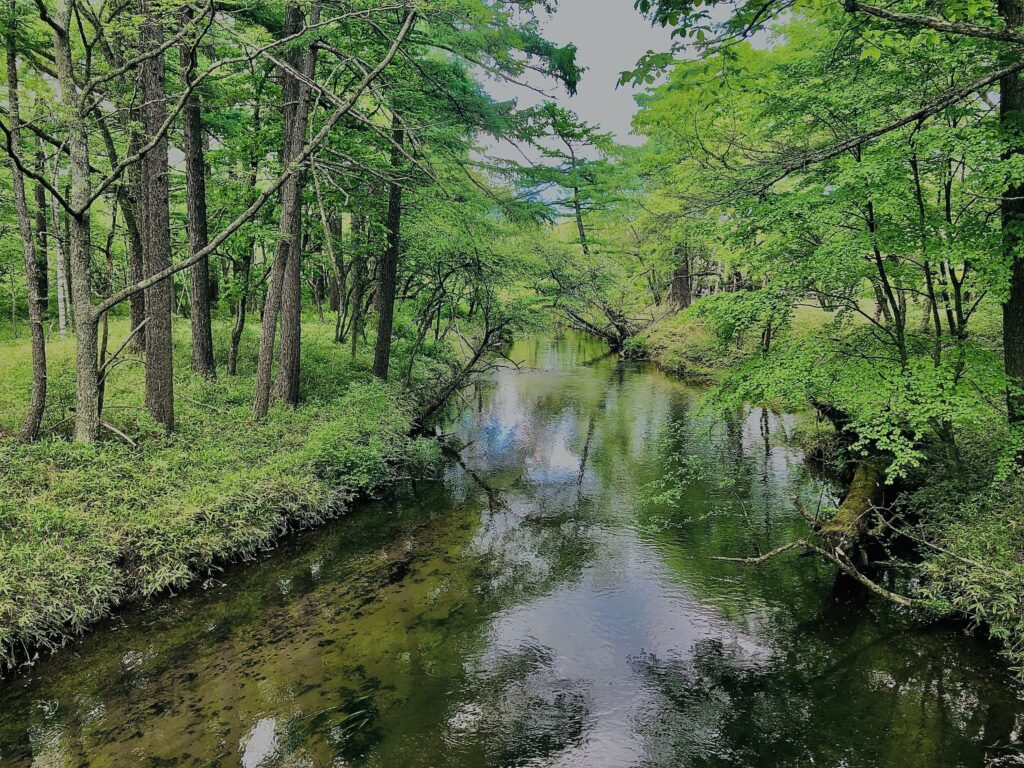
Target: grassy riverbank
(965, 527)
(85, 528)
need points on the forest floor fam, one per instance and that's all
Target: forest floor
(969, 526)
(85, 528)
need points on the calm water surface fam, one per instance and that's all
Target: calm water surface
(534, 608)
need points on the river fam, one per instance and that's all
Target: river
(545, 603)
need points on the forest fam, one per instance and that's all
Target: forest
(259, 262)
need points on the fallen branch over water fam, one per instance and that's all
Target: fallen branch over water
(839, 558)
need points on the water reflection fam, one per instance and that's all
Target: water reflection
(534, 608)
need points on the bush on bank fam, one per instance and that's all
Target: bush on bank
(85, 528)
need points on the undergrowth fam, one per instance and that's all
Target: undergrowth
(85, 528)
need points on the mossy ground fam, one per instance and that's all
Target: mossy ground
(85, 528)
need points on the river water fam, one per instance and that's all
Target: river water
(546, 603)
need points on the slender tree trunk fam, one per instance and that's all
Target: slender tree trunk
(389, 265)
(156, 241)
(42, 240)
(241, 309)
(291, 211)
(243, 271)
(60, 273)
(288, 370)
(79, 247)
(578, 210)
(198, 224)
(135, 220)
(358, 281)
(34, 416)
(286, 387)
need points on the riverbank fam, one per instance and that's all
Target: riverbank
(84, 529)
(964, 529)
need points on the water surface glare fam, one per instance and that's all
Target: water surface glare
(535, 607)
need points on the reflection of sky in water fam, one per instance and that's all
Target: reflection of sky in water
(591, 633)
(587, 633)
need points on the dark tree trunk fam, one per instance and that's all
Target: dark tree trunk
(134, 219)
(156, 241)
(42, 241)
(34, 416)
(578, 211)
(681, 293)
(291, 212)
(389, 265)
(287, 385)
(358, 283)
(1011, 116)
(198, 224)
(243, 270)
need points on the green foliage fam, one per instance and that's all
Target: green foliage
(975, 565)
(361, 441)
(84, 528)
(636, 348)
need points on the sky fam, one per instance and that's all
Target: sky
(610, 36)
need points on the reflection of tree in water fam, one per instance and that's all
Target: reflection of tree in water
(891, 702)
(521, 713)
(522, 556)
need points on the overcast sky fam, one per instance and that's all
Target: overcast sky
(610, 35)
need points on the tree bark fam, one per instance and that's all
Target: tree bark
(360, 247)
(198, 223)
(156, 242)
(1011, 118)
(136, 269)
(79, 247)
(287, 385)
(291, 212)
(578, 211)
(34, 416)
(242, 273)
(681, 294)
(42, 240)
(61, 264)
(389, 264)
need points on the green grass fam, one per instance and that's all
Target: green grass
(85, 528)
(683, 344)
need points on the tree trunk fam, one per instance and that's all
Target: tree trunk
(198, 224)
(34, 416)
(42, 240)
(389, 265)
(853, 517)
(87, 418)
(289, 364)
(156, 243)
(134, 218)
(358, 281)
(578, 210)
(291, 211)
(287, 385)
(681, 294)
(1011, 117)
(241, 308)
(60, 272)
